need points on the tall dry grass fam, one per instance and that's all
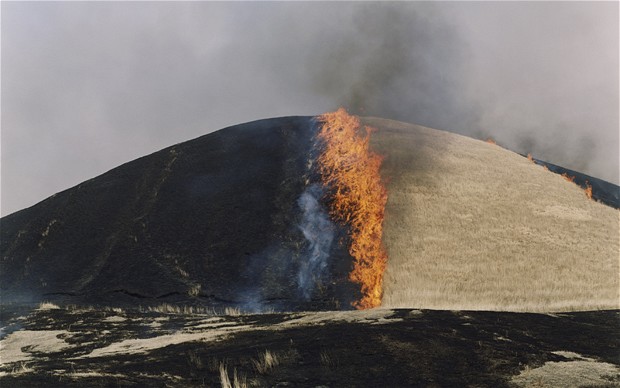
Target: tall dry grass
(266, 361)
(239, 381)
(470, 225)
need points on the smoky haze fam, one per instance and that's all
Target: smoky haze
(88, 86)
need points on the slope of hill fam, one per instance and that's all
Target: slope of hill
(214, 220)
(236, 222)
(470, 225)
(224, 220)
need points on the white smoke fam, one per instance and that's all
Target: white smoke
(319, 233)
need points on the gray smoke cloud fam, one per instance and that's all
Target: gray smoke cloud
(87, 86)
(319, 233)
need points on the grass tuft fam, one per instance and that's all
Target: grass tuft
(224, 379)
(48, 306)
(239, 381)
(266, 361)
(22, 368)
(232, 311)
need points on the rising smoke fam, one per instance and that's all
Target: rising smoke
(319, 232)
(282, 266)
(538, 78)
(397, 61)
(113, 81)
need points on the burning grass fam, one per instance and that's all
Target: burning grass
(588, 190)
(357, 197)
(568, 178)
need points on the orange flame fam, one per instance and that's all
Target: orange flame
(358, 197)
(490, 140)
(588, 190)
(531, 159)
(568, 177)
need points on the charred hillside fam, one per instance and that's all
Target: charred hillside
(213, 220)
(271, 215)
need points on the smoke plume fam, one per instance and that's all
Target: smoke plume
(319, 232)
(87, 86)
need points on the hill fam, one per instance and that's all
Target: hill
(203, 264)
(210, 221)
(471, 225)
(224, 220)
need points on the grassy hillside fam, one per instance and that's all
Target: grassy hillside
(470, 225)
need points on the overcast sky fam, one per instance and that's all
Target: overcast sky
(89, 86)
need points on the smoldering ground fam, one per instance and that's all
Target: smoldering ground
(88, 86)
(301, 267)
(319, 232)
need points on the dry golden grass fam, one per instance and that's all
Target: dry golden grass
(575, 373)
(48, 306)
(224, 379)
(470, 225)
(167, 308)
(239, 381)
(266, 361)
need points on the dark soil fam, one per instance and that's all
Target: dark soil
(408, 348)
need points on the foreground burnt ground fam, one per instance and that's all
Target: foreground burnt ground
(113, 347)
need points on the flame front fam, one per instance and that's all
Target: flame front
(588, 190)
(350, 170)
(568, 177)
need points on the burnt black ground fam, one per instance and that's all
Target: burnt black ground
(418, 348)
(212, 221)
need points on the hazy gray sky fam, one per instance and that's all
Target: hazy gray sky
(88, 86)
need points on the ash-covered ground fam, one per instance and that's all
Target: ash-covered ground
(396, 348)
